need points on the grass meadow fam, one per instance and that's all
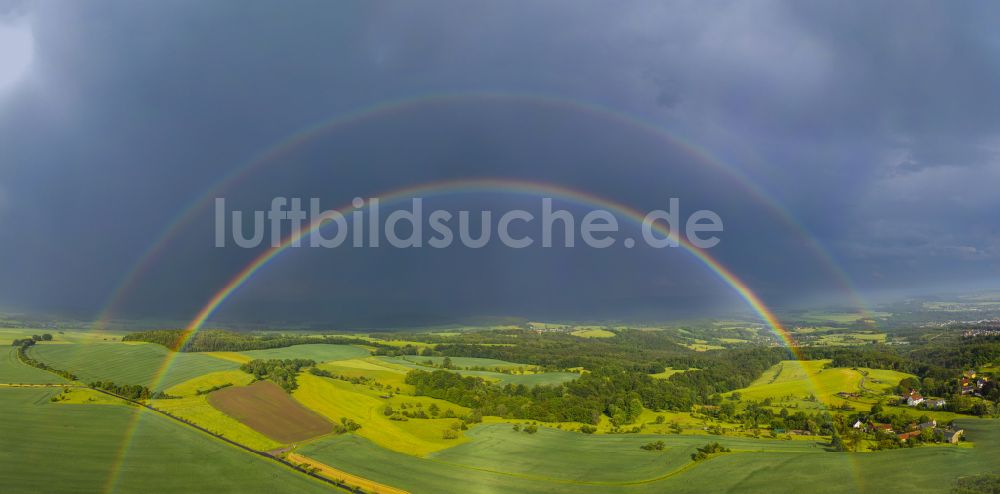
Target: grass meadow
(318, 352)
(13, 371)
(134, 363)
(335, 398)
(528, 378)
(73, 444)
(497, 459)
(73, 448)
(593, 333)
(794, 380)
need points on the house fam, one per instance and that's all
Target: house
(914, 398)
(967, 386)
(858, 424)
(908, 435)
(882, 427)
(936, 403)
(927, 425)
(949, 435)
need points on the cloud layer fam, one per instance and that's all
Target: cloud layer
(876, 126)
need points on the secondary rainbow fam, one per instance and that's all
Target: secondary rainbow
(272, 154)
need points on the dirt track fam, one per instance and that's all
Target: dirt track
(344, 477)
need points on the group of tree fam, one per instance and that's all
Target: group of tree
(616, 391)
(31, 341)
(211, 389)
(417, 411)
(345, 425)
(708, 450)
(528, 428)
(282, 372)
(134, 392)
(216, 340)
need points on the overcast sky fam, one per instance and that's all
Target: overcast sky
(871, 129)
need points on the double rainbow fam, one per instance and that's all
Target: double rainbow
(273, 153)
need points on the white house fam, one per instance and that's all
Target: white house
(914, 398)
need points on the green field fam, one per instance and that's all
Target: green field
(856, 338)
(132, 363)
(702, 346)
(334, 399)
(794, 380)
(60, 336)
(667, 373)
(593, 333)
(317, 352)
(197, 409)
(58, 447)
(838, 317)
(500, 460)
(12, 370)
(465, 362)
(529, 378)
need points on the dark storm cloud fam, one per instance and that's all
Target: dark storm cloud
(876, 124)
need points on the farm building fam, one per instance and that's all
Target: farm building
(951, 436)
(936, 403)
(882, 427)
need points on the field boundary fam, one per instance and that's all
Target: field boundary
(335, 473)
(48, 385)
(244, 447)
(220, 437)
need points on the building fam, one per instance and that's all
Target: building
(952, 436)
(928, 425)
(882, 427)
(914, 398)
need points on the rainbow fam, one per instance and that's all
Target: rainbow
(452, 187)
(495, 185)
(272, 154)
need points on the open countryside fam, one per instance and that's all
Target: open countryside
(361, 413)
(499, 247)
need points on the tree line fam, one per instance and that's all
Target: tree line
(22, 354)
(217, 340)
(134, 392)
(31, 341)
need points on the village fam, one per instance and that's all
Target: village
(889, 431)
